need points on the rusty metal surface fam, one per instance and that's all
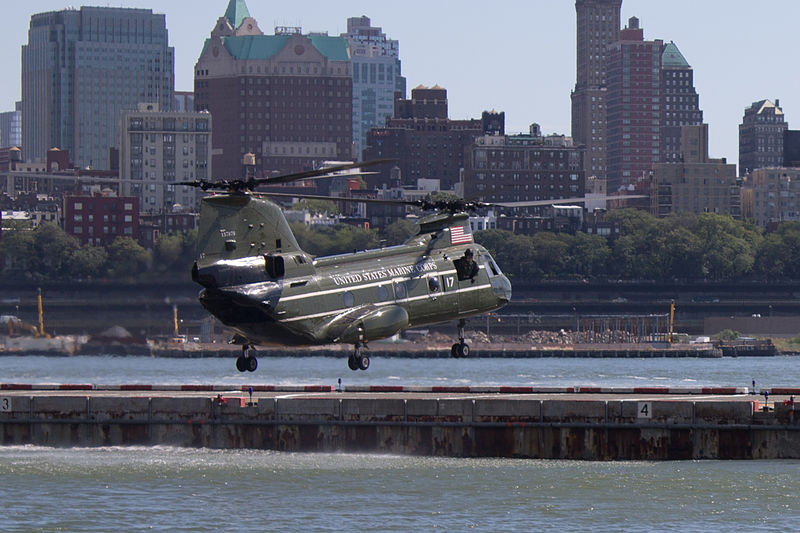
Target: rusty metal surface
(553, 426)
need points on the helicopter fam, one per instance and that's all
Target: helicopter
(259, 282)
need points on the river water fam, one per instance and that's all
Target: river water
(174, 489)
(202, 490)
(555, 372)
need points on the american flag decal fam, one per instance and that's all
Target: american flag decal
(458, 235)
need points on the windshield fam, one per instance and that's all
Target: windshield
(491, 267)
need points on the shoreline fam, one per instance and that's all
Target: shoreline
(66, 348)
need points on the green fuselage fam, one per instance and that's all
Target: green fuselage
(318, 307)
(259, 282)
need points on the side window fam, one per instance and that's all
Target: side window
(383, 293)
(349, 300)
(433, 284)
(490, 266)
(400, 290)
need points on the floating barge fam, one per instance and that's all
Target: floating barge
(747, 348)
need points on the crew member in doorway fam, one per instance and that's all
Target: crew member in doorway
(466, 267)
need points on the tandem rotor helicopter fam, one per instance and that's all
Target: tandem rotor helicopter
(258, 281)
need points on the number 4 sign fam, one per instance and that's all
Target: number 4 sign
(643, 410)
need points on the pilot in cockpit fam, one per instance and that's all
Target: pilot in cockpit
(466, 267)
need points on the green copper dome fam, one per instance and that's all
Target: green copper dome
(672, 57)
(237, 11)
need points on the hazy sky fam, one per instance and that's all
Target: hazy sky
(513, 56)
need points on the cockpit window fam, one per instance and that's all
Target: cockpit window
(491, 266)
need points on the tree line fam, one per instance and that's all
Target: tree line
(705, 247)
(687, 247)
(49, 253)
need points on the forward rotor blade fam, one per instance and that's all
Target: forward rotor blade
(251, 183)
(338, 198)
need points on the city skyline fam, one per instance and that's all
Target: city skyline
(520, 61)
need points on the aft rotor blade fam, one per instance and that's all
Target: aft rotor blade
(318, 173)
(558, 201)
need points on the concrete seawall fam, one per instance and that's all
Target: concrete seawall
(627, 425)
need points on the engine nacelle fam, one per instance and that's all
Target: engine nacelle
(376, 324)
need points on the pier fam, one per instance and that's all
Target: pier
(649, 423)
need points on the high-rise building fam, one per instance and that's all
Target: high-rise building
(772, 195)
(697, 184)
(519, 168)
(11, 127)
(81, 68)
(597, 27)
(761, 136)
(159, 148)
(376, 77)
(183, 101)
(680, 104)
(791, 148)
(424, 141)
(633, 116)
(286, 98)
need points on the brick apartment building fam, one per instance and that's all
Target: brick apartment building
(100, 219)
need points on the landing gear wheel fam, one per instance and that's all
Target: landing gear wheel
(462, 349)
(247, 362)
(356, 361)
(352, 362)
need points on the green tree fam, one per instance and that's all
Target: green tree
(17, 247)
(512, 252)
(588, 255)
(88, 262)
(778, 254)
(188, 250)
(632, 220)
(52, 249)
(729, 246)
(550, 255)
(329, 240)
(681, 255)
(399, 231)
(167, 253)
(635, 252)
(316, 206)
(126, 258)
(442, 196)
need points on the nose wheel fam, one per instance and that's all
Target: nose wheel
(358, 361)
(247, 362)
